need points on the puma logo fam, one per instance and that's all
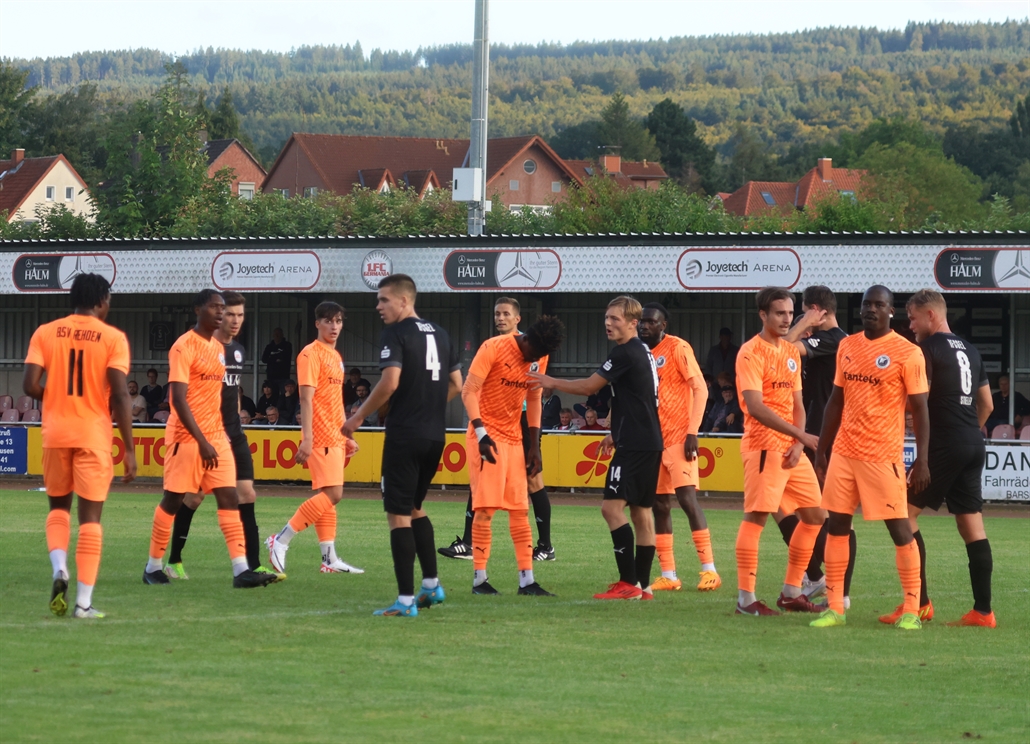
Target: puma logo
(909, 594)
(615, 487)
(620, 550)
(507, 365)
(479, 548)
(753, 574)
(890, 506)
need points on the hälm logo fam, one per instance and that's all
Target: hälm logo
(595, 464)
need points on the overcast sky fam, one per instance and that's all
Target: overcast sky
(50, 28)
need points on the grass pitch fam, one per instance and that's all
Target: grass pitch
(305, 660)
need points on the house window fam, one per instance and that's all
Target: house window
(556, 187)
(246, 191)
(530, 167)
(513, 185)
(69, 193)
(384, 189)
(50, 191)
(848, 195)
(284, 193)
(310, 192)
(768, 198)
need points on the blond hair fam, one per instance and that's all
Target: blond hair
(928, 298)
(631, 309)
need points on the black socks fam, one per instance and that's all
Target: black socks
(981, 565)
(180, 531)
(622, 541)
(542, 514)
(402, 545)
(425, 546)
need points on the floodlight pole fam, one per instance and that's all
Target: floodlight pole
(480, 98)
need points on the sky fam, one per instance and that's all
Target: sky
(51, 28)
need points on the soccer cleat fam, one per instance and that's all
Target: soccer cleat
(278, 576)
(909, 621)
(758, 608)
(252, 579)
(646, 594)
(175, 571)
(620, 590)
(663, 584)
(428, 597)
(339, 566)
(534, 590)
(155, 577)
(277, 553)
(59, 596)
(484, 588)
(708, 581)
(543, 552)
(829, 619)
(800, 603)
(457, 549)
(813, 589)
(975, 619)
(90, 613)
(925, 614)
(398, 610)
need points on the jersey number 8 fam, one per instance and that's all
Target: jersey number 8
(966, 371)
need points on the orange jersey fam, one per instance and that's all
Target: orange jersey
(76, 353)
(504, 372)
(199, 363)
(877, 377)
(321, 367)
(675, 361)
(775, 372)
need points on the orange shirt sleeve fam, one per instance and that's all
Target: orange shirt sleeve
(484, 360)
(749, 372)
(305, 373)
(36, 353)
(838, 376)
(118, 354)
(690, 365)
(914, 373)
(179, 361)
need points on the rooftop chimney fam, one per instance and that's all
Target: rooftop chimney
(17, 155)
(825, 166)
(612, 163)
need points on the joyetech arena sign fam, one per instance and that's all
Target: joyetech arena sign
(257, 271)
(736, 269)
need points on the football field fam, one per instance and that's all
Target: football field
(305, 661)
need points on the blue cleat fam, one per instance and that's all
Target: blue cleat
(428, 597)
(398, 610)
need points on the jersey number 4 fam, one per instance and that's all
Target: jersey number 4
(75, 373)
(432, 357)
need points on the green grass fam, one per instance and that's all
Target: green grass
(306, 661)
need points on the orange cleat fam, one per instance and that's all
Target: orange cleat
(975, 619)
(709, 581)
(925, 614)
(663, 584)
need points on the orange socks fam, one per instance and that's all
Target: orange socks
(325, 526)
(703, 545)
(666, 556)
(309, 512)
(161, 533)
(748, 537)
(232, 529)
(58, 529)
(800, 552)
(836, 560)
(521, 537)
(907, 559)
(87, 553)
(481, 538)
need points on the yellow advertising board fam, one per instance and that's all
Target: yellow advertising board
(570, 460)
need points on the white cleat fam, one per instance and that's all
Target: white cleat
(339, 566)
(277, 553)
(813, 589)
(90, 613)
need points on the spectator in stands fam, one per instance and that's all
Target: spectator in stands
(591, 418)
(246, 404)
(723, 356)
(269, 398)
(599, 401)
(271, 417)
(138, 403)
(278, 356)
(350, 387)
(715, 391)
(565, 420)
(550, 410)
(152, 393)
(289, 403)
(1000, 414)
(362, 390)
(245, 419)
(726, 416)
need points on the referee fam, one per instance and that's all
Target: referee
(959, 403)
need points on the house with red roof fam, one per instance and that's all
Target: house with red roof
(784, 197)
(29, 183)
(248, 175)
(627, 173)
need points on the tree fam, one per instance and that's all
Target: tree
(578, 142)
(224, 123)
(619, 129)
(685, 155)
(750, 160)
(70, 124)
(1020, 121)
(15, 100)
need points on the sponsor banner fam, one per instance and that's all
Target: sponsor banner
(1006, 474)
(738, 268)
(14, 450)
(983, 268)
(481, 270)
(375, 267)
(56, 272)
(296, 270)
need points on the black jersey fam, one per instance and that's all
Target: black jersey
(819, 365)
(631, 370)
(424, 352)
(954, 371)
(234, 358)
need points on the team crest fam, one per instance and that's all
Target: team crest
(792, 365)
(883, 361)
(607, 366)
(659, 362)
(239, 355)
(534, 367)
(814, 342)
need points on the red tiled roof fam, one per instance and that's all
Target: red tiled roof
(18, 181)
(748, 200)
(629, 176)
(811, 186)
(643, 170)
(420, 180)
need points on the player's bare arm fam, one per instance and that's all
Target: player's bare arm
(813, 318)
(984, 404)
(381, 393)
(767, 417)
(470, 393)
(919, 475)
(584, 386)
(534, 463)
(121, 403)
(831, 424)
(699, 394)
(177, 393)
(32, 381)
(307, 418)
(455, 383)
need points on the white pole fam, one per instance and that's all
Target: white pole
(480, 99)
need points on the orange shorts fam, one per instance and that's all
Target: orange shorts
(184, 470)
(501, 485)
(879, 487)
(87, 472)
(326, 465)
(769, 486)
(676, 471)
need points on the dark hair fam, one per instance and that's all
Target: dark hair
(354, 371)
(401, 283)
(152, 370)
(233, 299)
(509, 301)
(89, 290)
(766, 297)
(547, 334)
(725, 332)
(328, 310)
(268, 384)
(822, 296)
(204, 296)
(884, 290)
(659, 307)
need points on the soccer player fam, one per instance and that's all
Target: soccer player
(198, 456)
(493, 394)
(232, 321)
(420, 373)
(682, 395)
(506, 320)
(864, 421)
(959, 403)
(323, 446)
(776, 472)
(85, 362)
(632, 478)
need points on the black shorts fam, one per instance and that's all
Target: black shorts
(409, 466)
(244, 459)
(633, 477)
(956, 478)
